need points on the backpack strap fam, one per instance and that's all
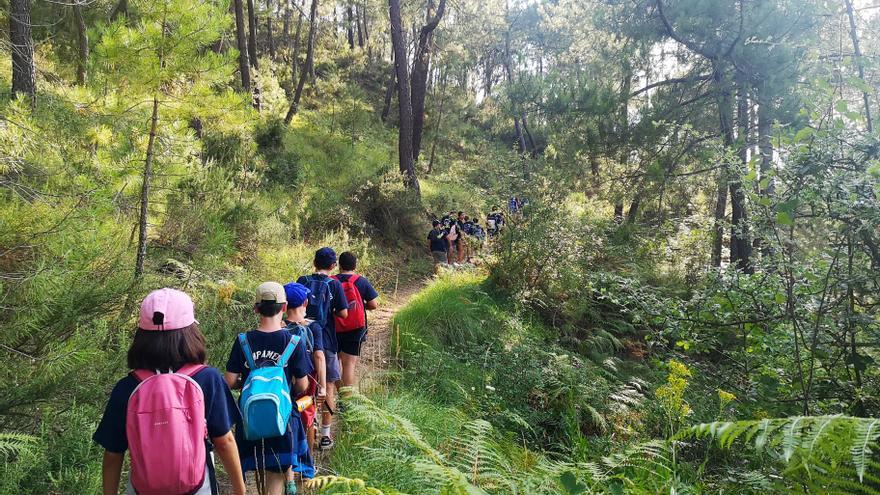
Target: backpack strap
(190, 369)
(354, 278)
(246, 350)
(288, 351)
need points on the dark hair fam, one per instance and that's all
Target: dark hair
(324, 263)
(435, 223)
(460, 213)
(348, 261)
(167, 349)
(268, 308)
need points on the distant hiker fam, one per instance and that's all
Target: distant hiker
(351, 331)
(437, 244)
(491, 226)
(452, 235)
(169, 422)
(326, 300)
(271, 366)
(311, 333)
(513, 205)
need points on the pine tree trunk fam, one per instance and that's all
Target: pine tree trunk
(508, 62)
(121, 9)
(725, 107)
(294, 58)
(349, 25)
(309, 64)
(528, 133)
(145, 193)
(421, 65)
(270, 40)
(358, 13)
(405, 146)
(859, 61)
(739, 235)
(252, 35)
(82, 42)
(24, 73)
(244, 67)
(437, 127)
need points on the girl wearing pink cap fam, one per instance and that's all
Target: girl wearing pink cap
(168, 376)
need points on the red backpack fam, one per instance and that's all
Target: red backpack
(356, 318)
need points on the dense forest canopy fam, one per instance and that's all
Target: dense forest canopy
(698, 266)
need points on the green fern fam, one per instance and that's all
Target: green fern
(13, 444)
(828, 452)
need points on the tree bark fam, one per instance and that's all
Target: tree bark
(145, 193)
(421, 65)
(765, 145)
(528, 134)
(740, 244)
(725, 107)
(508, 68)
(252, 35)
(349, 25)
(244, 67)
(294, 58)
(860, 61)
(24, 73)
(82, 42)
(309, 63)
(270, 40)
(437, 128)
(405, 145)
(120, 9)
(358, 13)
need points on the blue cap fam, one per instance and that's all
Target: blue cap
(325, 256)
(296, 294)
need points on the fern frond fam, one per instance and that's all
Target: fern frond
(16, 443)
(866, 435)
(339, 485)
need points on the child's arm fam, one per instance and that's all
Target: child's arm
(300, 385)
(232, 380)
(227, 451)
(321, 367)
(111, 471)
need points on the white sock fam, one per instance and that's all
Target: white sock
(325, 431)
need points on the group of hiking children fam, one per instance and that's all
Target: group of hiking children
(456, 238)
(173, 413)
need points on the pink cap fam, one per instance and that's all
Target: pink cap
(166, 309)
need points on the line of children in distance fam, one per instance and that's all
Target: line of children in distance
(172, 413)
(456, 237)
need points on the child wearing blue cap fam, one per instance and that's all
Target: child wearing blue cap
(326, 300)
(311, 333)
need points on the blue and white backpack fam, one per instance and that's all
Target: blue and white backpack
(265, 401)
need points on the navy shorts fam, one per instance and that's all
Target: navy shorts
(351, 342)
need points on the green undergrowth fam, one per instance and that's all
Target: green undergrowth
(482, 399)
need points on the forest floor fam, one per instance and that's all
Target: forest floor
(375, 360)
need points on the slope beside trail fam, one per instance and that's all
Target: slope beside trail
(375, 359)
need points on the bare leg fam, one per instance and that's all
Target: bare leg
(275, 483)
(349, 369)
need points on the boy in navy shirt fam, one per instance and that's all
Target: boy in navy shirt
(326, 301)
(350, 342)
(278, 455)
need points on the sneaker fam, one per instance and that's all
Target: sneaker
(326, 443)
(290, 489)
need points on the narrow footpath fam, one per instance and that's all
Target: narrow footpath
(375, 360)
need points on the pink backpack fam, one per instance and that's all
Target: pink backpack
(166, 430)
